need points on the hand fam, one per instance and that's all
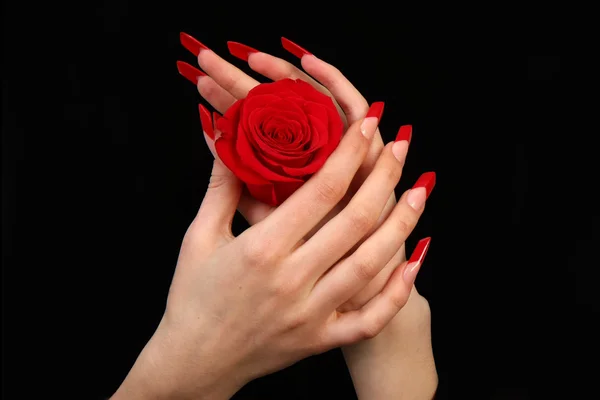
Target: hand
(239, 308)
(405, 344)
(222, 84)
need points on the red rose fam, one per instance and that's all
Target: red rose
(277, 137)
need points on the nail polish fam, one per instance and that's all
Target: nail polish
(371, 121)
(426, 180)
(376, 110)
(190, 72)
(404, 133)
(415, 261)
(206, 121)
(193, 46)
(240, 51)
(420, 191)
(216, 118)
(294, 48)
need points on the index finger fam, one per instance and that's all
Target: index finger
(304, 209)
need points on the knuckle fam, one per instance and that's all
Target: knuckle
(372, 328)
(330, 190)
(208, 89)
(365, 268)
(230, 83)
(286, 285)
(398, 300)
(390, 171)
(362, 219)
(298, 319)
(403, 228)
(258, 252)
(217, 181)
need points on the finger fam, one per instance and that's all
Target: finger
(353, 104)
(376, 285)
(223, 193)
(357, 219)
(303, 210)
(349, 98)
(218, 97)
(251, 209)
(353, 273)
(277, 69)
(370, 320)
(230, 78)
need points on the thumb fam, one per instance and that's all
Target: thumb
(224, 188)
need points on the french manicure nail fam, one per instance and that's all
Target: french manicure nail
(193, 46)
(421, 190)
(294, 48)
(240, 51)
(190, 72)
(427, 181)
(399, 150)
(404, 133)
(400, 146)
(206, 121)
(369, 124)
(416, 260)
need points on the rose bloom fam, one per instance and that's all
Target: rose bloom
(277, 137)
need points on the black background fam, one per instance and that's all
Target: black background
(104, 167)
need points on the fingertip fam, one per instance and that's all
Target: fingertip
(206, 121)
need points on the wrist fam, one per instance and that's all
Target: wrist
(397, 363)
(169, 368)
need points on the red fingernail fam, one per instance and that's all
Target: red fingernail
(206, 121)
(420, 251)
(191, 44)
(376, 110)
(216, 117)
(427, 180)
(240, 51)
(404, 133)
(191, 73)
(416, 260)
(294, 48)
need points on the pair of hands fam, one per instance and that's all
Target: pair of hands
(325, 269)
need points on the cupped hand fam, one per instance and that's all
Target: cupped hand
(242, 307)
(221, 84)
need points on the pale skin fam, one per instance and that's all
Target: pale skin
(243, 307)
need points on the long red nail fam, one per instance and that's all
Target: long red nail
(427, 180)
(416, 260)
(191, 73)
(206, 121)
(191, 44)
(240, 51)
(294, 48)
(376, 110)
(404, 133)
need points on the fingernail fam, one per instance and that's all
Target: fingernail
(216, 117)
(240, 51)
(294, 48)
(191, 73)
(369, 124)
(421, 190)
(416, 260)
(404, 133)
(206, 121)
(400, 146)
(194, 46)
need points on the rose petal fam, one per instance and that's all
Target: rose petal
(248, 157)
(266, 194)
(229, 157)
(285, 190)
